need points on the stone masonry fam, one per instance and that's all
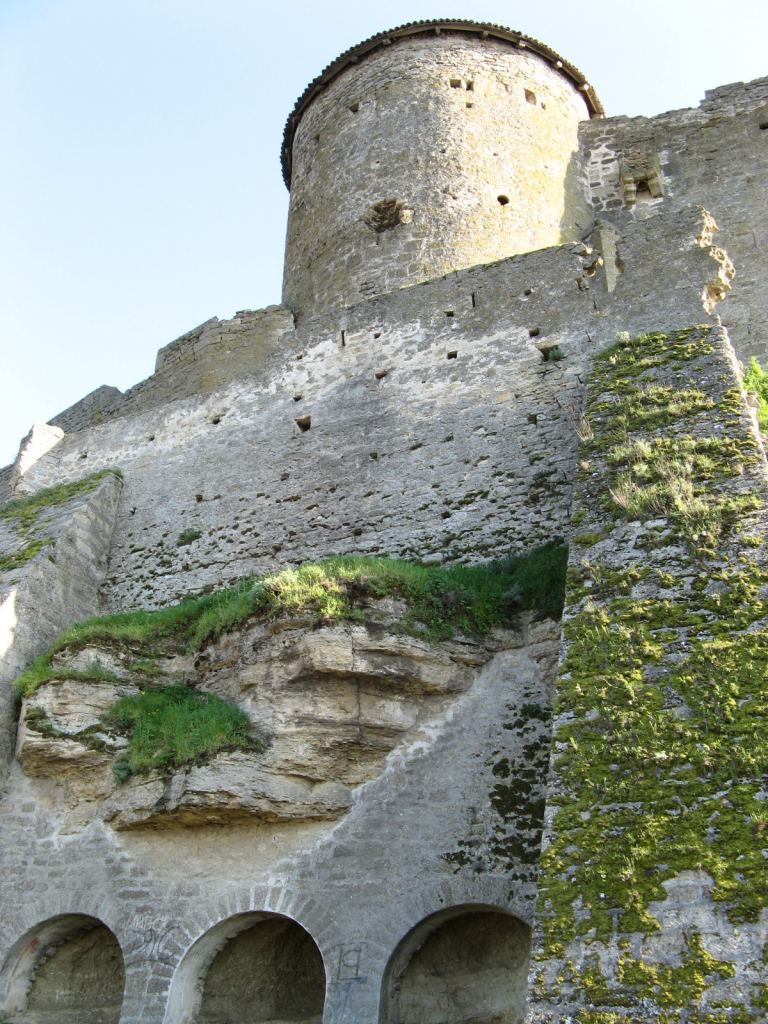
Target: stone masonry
(507, 319)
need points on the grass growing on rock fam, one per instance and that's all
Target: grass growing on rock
(23, 513)
(175, 726)
(440, 602)
(15, 559)
(756, 383)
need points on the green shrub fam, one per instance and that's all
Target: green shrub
(187, 537)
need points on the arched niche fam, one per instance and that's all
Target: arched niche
(66, 970)
(251, 968)
(464, 965)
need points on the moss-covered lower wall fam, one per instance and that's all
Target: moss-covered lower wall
(654, 883)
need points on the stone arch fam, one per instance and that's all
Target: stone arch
(68, 969)
(276, 967)
(465, 964)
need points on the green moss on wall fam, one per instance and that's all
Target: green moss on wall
(25, 515)
(661, 743)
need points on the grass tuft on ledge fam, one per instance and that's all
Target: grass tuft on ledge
(441, 601)
(176, 726)
(24, 511)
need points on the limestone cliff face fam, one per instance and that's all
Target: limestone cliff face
(332, 702)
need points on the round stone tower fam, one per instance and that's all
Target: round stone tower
(429, 148)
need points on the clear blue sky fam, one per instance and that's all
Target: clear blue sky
(140, 188)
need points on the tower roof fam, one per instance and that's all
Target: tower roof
(485, 30)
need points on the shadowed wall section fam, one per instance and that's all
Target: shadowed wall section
(250, 968)
(462, 967)
(68, 970)
(271, 971)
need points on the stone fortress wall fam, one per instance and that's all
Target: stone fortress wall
(715, 155)
(433, 422)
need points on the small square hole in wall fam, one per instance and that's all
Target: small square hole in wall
(530, 97)
(303, 423)
(764, 125)
(354, 107)
(470, 86)
(455, 83)
(452, 355)
(470, 105)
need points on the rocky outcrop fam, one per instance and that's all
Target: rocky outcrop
(233, 787)
(333, 702)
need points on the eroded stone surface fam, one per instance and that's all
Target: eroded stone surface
(333, 703)
(60, 719)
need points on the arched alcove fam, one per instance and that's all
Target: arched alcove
(66, 970)
(251, 968)
(465, 965)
